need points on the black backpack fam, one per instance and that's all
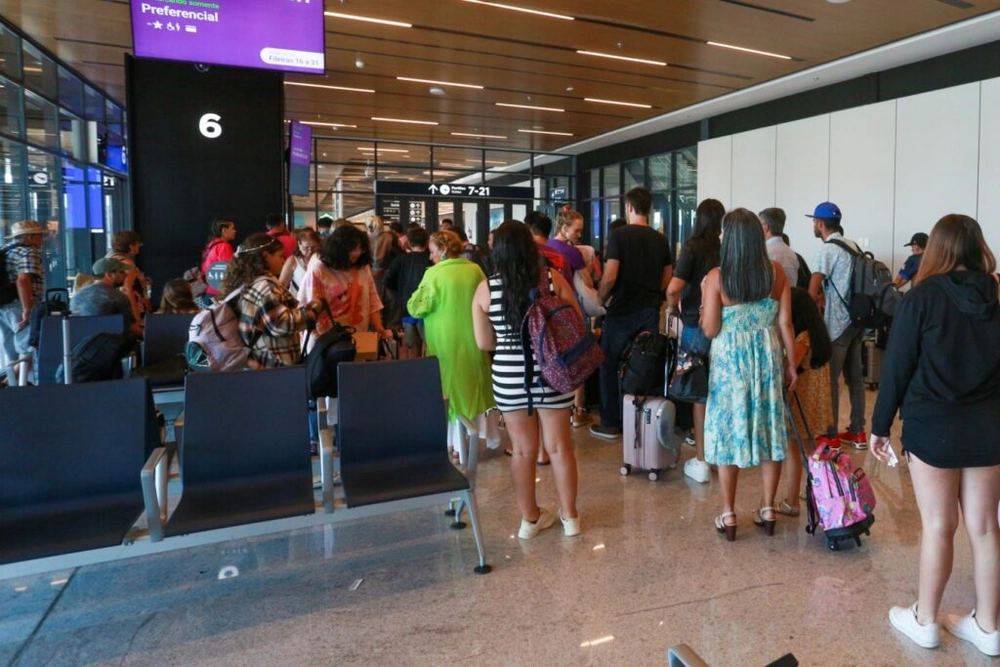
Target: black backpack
(98, 357)
(8, 289)
(804, 275)
(641, 372)
(871, 298)
(333, 347)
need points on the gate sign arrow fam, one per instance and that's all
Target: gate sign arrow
(433, 189)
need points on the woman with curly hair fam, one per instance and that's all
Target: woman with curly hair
(270, 317)
(498, 309)
(340, 273)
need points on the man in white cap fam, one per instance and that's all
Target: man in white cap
(22, 260)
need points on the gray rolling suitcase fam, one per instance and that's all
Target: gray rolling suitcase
(871, 361)
(648, 438)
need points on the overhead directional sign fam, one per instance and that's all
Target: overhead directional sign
(452, 190)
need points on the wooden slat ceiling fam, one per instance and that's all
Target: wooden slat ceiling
(522, 58)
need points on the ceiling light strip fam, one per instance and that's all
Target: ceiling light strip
(368, 19)
(404, 120)
(621, 104)
(626, 58)
(318, 123)
(317, 85)
(478, 136)
(440, 83)
(528, 106)
(384, 150)
(746, 50)
(558, 134)
(500, 5)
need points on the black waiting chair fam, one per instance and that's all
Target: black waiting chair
(392, 438)
(245, 449)
(70, 457)
(50, 341)
(164, 339)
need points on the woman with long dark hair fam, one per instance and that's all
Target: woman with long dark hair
(747, 313)
(218, 249)
(812, 363)
(341, 274)
(177, 298)
(270, 317)
(698, 256)
(498, 310)
(942, 372)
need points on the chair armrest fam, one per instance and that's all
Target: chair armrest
(326, 470)
(683, 655)
(154, 502)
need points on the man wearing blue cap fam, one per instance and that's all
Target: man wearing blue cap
(830, 287)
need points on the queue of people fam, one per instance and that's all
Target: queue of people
(732, 289)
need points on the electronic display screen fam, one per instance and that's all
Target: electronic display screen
(286, 35)
(299, 157)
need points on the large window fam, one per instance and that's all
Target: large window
(62, 147)
(671, 177)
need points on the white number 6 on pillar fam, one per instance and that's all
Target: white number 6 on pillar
(209, 125)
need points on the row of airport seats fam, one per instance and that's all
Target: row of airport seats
(78, 463)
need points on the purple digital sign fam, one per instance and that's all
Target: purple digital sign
(285, 35)
(299, 157)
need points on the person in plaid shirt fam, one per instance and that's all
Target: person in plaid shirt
(23, 264)
(270, 317)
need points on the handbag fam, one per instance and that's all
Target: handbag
(689, 382)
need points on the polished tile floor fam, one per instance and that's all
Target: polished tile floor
(648, 572)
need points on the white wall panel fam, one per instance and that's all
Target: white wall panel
(937, 158)
(862, 176)
(715, 169)
(988, 213)
(802, 176)
(753, 169)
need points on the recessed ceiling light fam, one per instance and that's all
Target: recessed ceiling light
(368, 19)
(478, 136)
(317, 85)
(569, 89)
(435, 91)
(404, 120)
(560, 134)
(440, 83)
(746, 50)
(621, 104)
(500, 5)
(628, 58)
(319, 124)
(528, 106)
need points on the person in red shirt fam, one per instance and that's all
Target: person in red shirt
(219, 247)
(276, 228)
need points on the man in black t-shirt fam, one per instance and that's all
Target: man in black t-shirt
(637, 271)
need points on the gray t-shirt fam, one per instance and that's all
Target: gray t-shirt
(99, 299)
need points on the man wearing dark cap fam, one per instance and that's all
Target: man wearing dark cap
(105, 296)
(830, 287)
(917, 246)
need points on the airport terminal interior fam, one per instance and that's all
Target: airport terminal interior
(480, 112)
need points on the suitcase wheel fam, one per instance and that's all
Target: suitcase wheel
(857, 540)
(654, 475)
(625, 469)
(833, 545)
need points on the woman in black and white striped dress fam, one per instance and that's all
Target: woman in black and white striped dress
(498, 309)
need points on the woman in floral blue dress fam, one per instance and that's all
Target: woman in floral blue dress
(747, 312)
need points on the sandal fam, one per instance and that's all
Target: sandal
(578, 417)
(728, 528)
(786, 509)
(766, 524)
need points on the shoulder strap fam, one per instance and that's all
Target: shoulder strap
(840, 243)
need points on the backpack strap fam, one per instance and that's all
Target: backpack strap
(853, 252)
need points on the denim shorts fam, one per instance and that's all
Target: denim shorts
(693, 339)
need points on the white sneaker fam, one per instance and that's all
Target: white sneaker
(966, 627)
(697, 470)
(904, 619)
(545, 520)
(571, 527)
